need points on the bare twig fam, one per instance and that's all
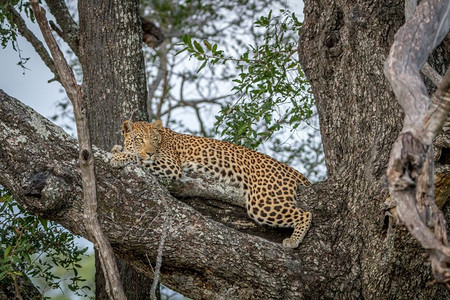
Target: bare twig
(410, 170)
(162, 98)
(200, 121)
(34, 41)
(162, 71)
(86, 158)
(167, 224)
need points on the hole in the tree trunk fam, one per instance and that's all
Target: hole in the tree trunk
(445, 156)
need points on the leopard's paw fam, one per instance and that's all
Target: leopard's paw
(117, 162)
(290, 243)
(116, 149)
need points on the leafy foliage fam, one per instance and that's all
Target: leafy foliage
(8, 28)
(270, 86)
(32, 246)
(175, 87)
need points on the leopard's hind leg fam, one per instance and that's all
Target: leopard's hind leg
(303, 222)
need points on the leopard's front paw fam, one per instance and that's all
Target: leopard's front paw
(116, 149)
(117, 162)
(290, 243)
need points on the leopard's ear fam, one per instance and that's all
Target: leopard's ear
(157, 125)
(127, 126)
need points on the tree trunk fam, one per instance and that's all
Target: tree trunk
(343, 48)
(105, 36)
(113, 67)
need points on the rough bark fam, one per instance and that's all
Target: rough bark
(343, 47)
(108, 31)
(113, 65)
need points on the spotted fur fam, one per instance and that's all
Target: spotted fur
(269, 186)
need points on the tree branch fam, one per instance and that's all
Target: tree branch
(86, 159)
(431, 73)
(45, 178)
(162, 73)
(427, 70)
(410, 170)
(69, 28)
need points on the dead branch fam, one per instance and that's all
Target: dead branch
(410, 170)
(74, 92)
(431, 73)
(166, 227)
(427, 69)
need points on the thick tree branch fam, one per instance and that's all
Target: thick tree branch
(410, 170)
(86, 158)
(40, 168)
(69, 28)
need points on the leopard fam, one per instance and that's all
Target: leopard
(269, 186)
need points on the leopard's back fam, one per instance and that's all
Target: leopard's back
(230, 162)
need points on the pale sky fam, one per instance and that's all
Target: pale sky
(30, 86)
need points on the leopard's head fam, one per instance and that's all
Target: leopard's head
(142, 137)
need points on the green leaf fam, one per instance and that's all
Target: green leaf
(7, 250)
(198, 47)
(202, 66)
(181, 51)
(44, 223)
(187, 40)
(3, 274)
(207, 45)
